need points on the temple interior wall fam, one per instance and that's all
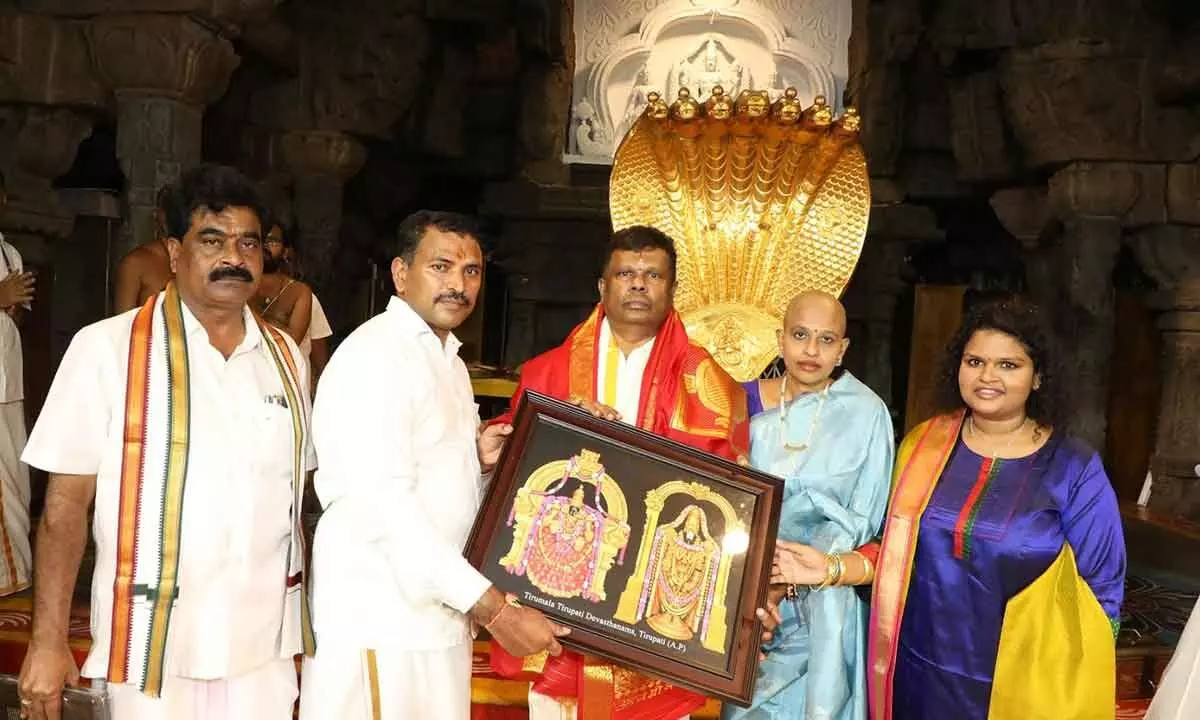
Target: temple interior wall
(1047, 148)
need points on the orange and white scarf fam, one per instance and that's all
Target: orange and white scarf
(154, 469)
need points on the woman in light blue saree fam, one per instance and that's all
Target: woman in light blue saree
(830, 438)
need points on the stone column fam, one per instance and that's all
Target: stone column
(1091, 200)
(1177, 438)
(1171, 255)
(320, 162)
(163, 70)
(1025, 213)
(38, 145)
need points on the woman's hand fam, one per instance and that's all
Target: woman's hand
(797, 564)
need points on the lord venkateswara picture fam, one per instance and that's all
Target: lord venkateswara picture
(655, 554)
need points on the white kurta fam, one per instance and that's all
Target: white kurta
(395, 427)
(226, 624)
(15, 555)
(1178, 695)
(619, 376)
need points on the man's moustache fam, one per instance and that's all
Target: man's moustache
(233, 273)
(453, 297)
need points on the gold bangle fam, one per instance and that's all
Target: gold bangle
(831, 573)
(834, 566)
(868, 568)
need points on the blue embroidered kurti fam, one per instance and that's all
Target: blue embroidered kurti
(991, 528)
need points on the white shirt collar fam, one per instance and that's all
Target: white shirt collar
(251, 341)
(412, 325)
(606, 337)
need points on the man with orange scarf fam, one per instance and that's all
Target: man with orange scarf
(631, 360)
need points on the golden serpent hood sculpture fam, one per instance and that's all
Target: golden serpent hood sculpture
(763, 201)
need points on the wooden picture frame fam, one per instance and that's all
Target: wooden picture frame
(655, 554)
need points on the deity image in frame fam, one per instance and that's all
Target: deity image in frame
(565, 545)
(679, 586)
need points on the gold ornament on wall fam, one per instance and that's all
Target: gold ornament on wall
(764, 200)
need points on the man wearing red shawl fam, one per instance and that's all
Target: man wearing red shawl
(631, 360)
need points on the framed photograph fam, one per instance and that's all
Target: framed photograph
(656, 555)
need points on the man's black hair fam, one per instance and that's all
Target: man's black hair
(413, 228)
(212, 187)
(283, 220)
(638, 238)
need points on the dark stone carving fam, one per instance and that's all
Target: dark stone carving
(361, 65)
(979, 135)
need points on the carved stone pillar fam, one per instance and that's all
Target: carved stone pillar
(163, 71)
(1091, 200)
(1171, 255)
(1025, 212)
(38, 146)
(320, 162)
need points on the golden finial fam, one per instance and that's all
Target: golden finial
(718, 106)
(685, 108)
(753, 103)
(788, 109)
(851, 120)
(820, 112)
(655, 107)
(588, 465)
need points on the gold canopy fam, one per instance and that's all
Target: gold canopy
(763, 201)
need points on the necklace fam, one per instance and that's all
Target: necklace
(783, 411)
(268, 304)
(1013, 434)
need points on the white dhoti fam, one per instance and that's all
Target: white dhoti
(266, 693)
(15, 555)
(390, 684)
(1178, 695)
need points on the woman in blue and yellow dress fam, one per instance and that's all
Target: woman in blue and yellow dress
(1002, 568)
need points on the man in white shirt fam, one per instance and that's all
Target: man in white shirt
(16, 293)
(186, 420)
(400, 482)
